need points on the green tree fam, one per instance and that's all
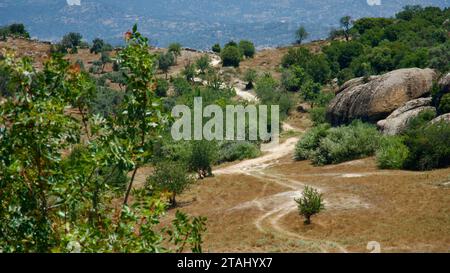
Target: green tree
(104, 59)
(172, 177)
(300, 35)
(18, 30)
(231, 56)
(203, 156)
(175, 49)
(165, 61)
(70, 41)
(310, 204)
(189, 72)
(247, 48)
(203, 63)
(216, 48)
(97, 46)
(54, 203)
(346, 23)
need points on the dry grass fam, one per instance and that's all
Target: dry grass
(403, 211)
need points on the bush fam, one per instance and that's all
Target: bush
(202, 63)
(318, 115)
(181, 86)
(444, 104)
(216, 48)
(392, 153)
(231, 56)
(310, 142)
(325, 145)
(347, 143)
(203, 157)
(162, 86)
(247, 48)
(106, 102)
(310, 204)
(171, 177)
(429, 146)
(237, 150)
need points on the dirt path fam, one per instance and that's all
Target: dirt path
(275, 207)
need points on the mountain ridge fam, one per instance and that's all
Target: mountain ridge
(194, 23)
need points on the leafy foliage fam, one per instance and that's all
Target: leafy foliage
(171, 177)
(216, 48)
(428, 146)
(237, 150)
(54, 203)
(231, 55)
(301, 34)
(392, 153)
(340, 144)
(247, 48)
(310, 204)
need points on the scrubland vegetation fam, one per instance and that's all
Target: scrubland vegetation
(73, 139)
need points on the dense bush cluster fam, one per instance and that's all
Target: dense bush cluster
(324, 145)
(232, 53)
(423, 146)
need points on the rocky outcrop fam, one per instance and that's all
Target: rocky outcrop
(444, 84)
(375, 98)
(398, 121)
(445, 118)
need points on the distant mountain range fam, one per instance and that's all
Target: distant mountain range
(194, 23)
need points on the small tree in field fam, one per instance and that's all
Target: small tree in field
(310, 203)
(170, 177)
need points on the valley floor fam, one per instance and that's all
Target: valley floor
(250, 207)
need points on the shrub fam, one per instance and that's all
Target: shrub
(325, 145)
(444, 104)
(203, 156)
(247, 48)
(181, 86)
(231, 56)
(346, 143)
(95, 69)
(175, 49)
(203, 63)
(318, 115)
(216, 48)
(237, 150)
(162, 86)
(310, 142)
(310, 204)
(106, 101)
(392, 153)
(429, 146)
(250, 77)
(171, 177)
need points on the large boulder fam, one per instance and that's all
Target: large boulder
(398, 121)
(374, 98)
(444, 84)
